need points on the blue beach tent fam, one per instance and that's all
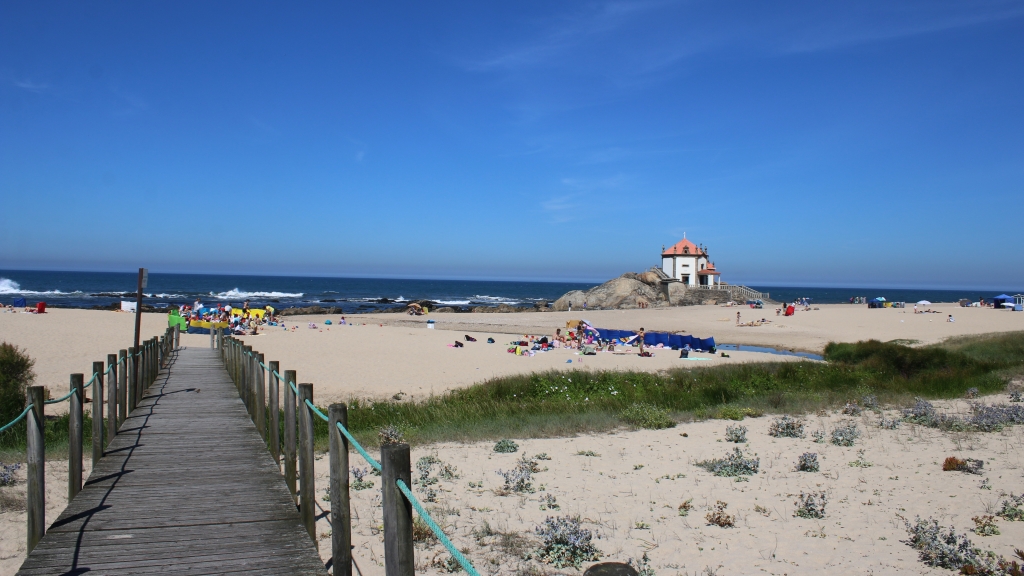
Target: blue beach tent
(1003, 300)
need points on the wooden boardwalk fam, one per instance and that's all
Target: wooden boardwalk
(186, 487)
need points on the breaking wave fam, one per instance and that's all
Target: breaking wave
(8, 286)
(235, 294)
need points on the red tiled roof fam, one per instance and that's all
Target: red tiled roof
(684, 246)
(709, 272)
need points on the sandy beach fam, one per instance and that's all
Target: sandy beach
(629, 493)
(380, 355)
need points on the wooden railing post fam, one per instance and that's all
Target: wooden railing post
(212, 336)
(307, 488)
(35, 454)
(75, 436)
(341, 514)
(177, 336)
(246, 378)
(111, 397)
(132, 367)
(122, 388)
(275, 412)
(261, 397)
(398, 550)
(97, 413)
(289, 432)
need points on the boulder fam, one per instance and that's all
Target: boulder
(650, 278)
(621, 292)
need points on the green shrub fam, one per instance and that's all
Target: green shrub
(506, 446)
(649, 416)
(15, 376)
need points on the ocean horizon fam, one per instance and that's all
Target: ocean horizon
(354, 295)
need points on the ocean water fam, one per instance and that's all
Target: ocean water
(88, 289)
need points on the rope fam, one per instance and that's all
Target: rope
(436, 529)
(61, 399)
(359, 448)
(466, 565)
(317, 411)
(16, 420)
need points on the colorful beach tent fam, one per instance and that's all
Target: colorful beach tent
(1003, 300)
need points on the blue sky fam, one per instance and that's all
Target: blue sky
(858, 143)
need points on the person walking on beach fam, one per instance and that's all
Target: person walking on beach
(640, 338)
(737, 317)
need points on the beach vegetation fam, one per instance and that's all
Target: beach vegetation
(811, 505)
(685, 508)
(786, 427)
(807, 462)
(506, 446)
(359, 474)
(845, 434)
(985, 525)
(643, 415)
(736, 434)
(559, 404)
(947, 549)
(732, 465)
(719, 517)
(16, 375)
(1012, 509)
(564, 542)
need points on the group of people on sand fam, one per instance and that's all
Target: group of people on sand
(243, 321)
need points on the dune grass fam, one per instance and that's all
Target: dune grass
(564, 403)
(552, 404)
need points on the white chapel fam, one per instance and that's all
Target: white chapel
(688, 263)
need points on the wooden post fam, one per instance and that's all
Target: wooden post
(341, 514)
(75, 436)
(97, 413)
(289, 432)
(111, 397)
(261, 398)
(247, 378)
(160, 352)
(275, 412)
(35, 453)
(398, 550)
(212, 336)
(122, 387)
(307, 488)
(133, 371)
(177, 336)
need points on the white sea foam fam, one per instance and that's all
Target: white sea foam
(495, 299)
(453, 302)
(235, 294)
(8, 286)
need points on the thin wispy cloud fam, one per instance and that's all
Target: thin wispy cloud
(31, 86)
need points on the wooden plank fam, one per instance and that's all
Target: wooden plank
(186, 485)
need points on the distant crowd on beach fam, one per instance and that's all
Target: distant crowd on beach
(241, 321)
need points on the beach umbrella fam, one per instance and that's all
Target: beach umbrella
(925, 303)
(879, 299)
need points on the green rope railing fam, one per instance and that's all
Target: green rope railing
(16, 420)
(441, 536)
(462, 560)
(359, 448)
(61, 399)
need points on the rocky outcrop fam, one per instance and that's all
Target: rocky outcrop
(621, 292)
